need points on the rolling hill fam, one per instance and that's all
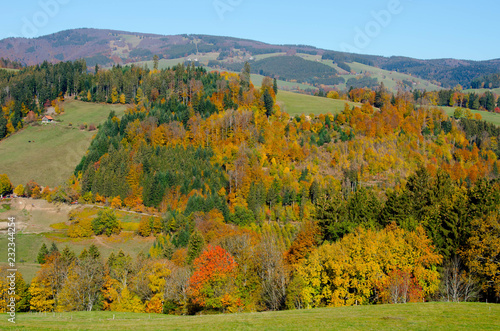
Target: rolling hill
(110, 47)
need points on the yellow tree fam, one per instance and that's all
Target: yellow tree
(483, 255)
(41, 295)
(114, 95)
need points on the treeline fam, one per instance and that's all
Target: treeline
(8, 64)
(489, 81)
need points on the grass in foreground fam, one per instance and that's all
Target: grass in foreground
(297, 104)
(55, 149)
(420, 316)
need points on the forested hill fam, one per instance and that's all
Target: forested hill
(264, 211)
(108, 47)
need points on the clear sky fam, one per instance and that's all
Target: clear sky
(423, 29)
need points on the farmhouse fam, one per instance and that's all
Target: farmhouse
(47, 119)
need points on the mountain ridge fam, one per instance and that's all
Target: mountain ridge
(107, 47)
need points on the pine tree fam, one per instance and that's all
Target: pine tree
(42, 253)
(275, 86)
(268, 103)
(53, 248)
(195, 246)
(3, 126)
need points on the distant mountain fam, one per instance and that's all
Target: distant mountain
(108, 47)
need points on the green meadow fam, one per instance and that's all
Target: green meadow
(419, 316)
(48, 153)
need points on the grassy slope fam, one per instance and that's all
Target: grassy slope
(391, 77)
(297, 104)
(57, 148)
(420, 316)
(482, 90)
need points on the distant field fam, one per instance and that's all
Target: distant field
(391, 77)
(487, 116)
(482, 90)
(283, 85)
(7, 69)
(297, 104)
(419, 316)
(55, 149)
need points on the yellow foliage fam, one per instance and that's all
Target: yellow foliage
(41, 295)
(348, 272)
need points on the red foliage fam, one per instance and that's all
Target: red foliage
(213, 265)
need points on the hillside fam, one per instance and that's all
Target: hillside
(108, 47)
(58, 146)
(436, 316)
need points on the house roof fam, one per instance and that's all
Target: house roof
(49, 117)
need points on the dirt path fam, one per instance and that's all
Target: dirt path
(100, 242)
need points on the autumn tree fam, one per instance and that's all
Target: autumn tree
(305, 241)
(5, 185)
(483, 253)
(273, 272)
(21, 293)
(351, 271)
(82, 288)
(212, 283)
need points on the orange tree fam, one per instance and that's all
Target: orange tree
(212, 283)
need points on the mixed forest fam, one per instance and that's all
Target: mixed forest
(252, 209)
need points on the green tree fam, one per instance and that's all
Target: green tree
(273, 194)
(106, 222)
(268, 103)
(42, 253)
(242, 216)
(3, 127)
(275, 86)
(195, 246)
(53, 248)
(245, 76)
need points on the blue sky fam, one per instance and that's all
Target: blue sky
(417, 28)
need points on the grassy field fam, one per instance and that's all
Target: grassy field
(420, 316)
(55, 149)
(297, 104)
